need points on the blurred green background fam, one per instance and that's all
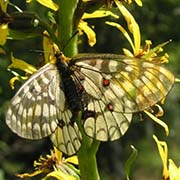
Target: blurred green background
(159, 22)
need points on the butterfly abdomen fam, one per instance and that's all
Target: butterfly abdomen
(70, 91)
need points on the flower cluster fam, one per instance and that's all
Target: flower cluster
(55, 166)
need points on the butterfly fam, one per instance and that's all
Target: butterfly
(106, 88)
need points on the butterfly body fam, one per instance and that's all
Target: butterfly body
(106, 88)
(70, 90)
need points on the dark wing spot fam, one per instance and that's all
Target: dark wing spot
(61, 123)
(86, 114)
(72, 121)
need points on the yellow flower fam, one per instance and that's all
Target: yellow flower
(133, 28)
(133, 36)
(91, 35)
(3, 26)
(47, 3)
(83, 26)
(22, 65)
(170, 170)
(158, 121)
(55, 166)
(135, 41)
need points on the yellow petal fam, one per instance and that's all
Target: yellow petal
(35, 173)
(157, 120)
(16, 77)
(127, 53)
(128, 1)
(132, 26)
(124, 32)
(138, 2)
(174, 171)
(58, 154)
(73, 160)
(163, 152)
(160, 112)
(3, 5)
(47, 3)
(20, 64)
(12, 81)
(99, 14)
(48, 50)
(59, 175)
(3, 33)
(177, 80)
(89, 32)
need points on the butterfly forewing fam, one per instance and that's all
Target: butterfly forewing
(115, 87)
(32, 112)
(138, 84)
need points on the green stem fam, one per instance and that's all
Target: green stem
(66, 28)
(87, 159)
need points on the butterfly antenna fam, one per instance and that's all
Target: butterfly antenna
(41, 51)
(35, 50)
(67, 42)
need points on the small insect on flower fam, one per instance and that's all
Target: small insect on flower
(106, 88)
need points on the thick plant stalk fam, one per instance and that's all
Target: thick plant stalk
(87, 152)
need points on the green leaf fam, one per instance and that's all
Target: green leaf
(130, 160)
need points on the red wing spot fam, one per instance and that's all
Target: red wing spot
(110, 107)
(106, 82)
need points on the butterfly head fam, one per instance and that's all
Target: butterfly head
(61, 57)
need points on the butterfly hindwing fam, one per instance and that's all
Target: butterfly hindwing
(103, 121)
(67, 136)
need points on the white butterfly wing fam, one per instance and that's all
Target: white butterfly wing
(117, 86)
(32, 111)
(39, 109)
